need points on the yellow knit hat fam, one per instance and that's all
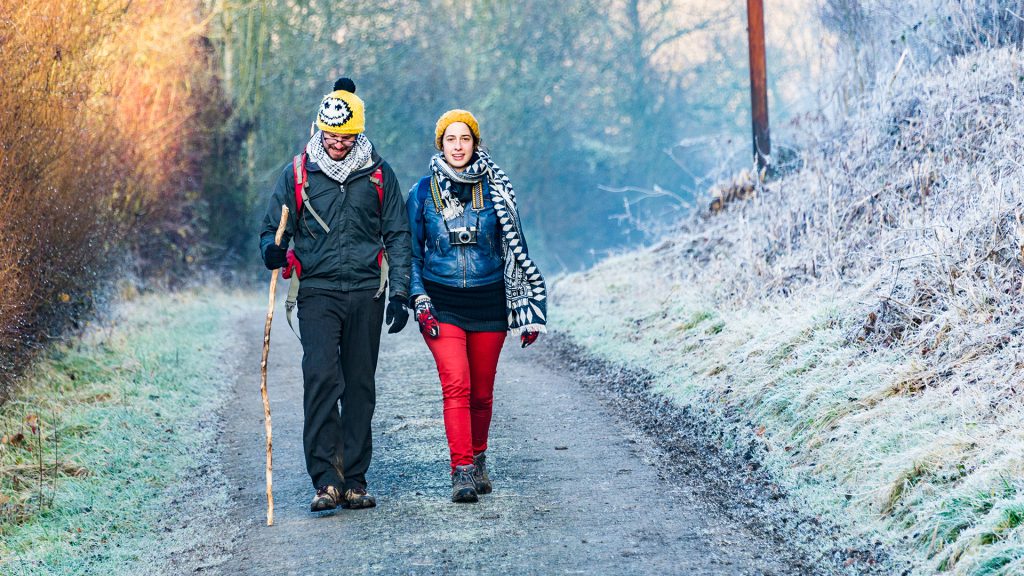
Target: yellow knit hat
(341, 111)
(452, 116)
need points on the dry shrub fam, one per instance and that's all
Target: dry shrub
(878, 37)
(55, 200)
(742, 186)
(873, 311)
(872, 304)
(916, 200)
(160, 82)
(99, 159)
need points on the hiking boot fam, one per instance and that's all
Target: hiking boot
(326, 498)
(463, 486)
(356, 498)
(480, 477)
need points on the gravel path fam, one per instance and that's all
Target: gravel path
(577, 489)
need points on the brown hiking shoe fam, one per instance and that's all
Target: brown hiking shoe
(356, 498)
(463, 486)
(326, 498)
(480, 477)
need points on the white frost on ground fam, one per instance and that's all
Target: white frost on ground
(861, 317)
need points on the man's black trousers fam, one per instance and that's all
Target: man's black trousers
(340, 340)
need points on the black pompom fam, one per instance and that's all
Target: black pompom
(345, 84)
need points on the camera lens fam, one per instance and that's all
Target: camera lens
(464, 237)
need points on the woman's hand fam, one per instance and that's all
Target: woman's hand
(528, 337)
(426, 316)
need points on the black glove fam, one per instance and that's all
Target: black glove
(275, 257)
(396, 315)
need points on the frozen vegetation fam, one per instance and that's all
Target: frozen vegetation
(859, 317)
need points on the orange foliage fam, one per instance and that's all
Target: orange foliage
(100, 154)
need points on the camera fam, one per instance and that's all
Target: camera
(462, 236)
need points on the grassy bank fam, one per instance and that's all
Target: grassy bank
(856, 435)
(92, 447)
(860, 319)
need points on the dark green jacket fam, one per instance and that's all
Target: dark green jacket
(346, 258)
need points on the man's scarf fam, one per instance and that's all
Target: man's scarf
(525, 293)
(338, 170)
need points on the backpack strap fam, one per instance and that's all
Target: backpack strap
(377, 178)
(301, 199)
(378, 182)
(299, 171)
(423, 189)
(301, 185)
(290, 303)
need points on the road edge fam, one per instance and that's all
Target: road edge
(734, 479)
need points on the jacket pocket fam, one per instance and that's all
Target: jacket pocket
(483, 261)
(438, 262)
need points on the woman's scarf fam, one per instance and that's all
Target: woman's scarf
(525, 293)
(339, 170)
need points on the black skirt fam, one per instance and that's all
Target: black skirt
(474, 308)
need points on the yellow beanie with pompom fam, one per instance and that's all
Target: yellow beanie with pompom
(341, 111)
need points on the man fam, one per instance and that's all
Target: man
(338, 230)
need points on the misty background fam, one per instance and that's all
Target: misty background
(610, 116)
(166, 123)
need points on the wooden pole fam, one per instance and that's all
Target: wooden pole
(758, 84)
(263, 373)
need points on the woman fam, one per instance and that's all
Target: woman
(472, 282)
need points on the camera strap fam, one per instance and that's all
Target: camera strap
(438, 197)
(449, 230)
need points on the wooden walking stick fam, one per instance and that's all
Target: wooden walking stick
(263, 373)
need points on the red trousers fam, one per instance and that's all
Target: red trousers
(466, 363)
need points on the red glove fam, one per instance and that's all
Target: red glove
(528, 338)
(293, 266)
(429, 326)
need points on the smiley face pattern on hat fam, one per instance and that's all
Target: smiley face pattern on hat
(335, 112)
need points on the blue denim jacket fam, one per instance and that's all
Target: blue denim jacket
(433, 256)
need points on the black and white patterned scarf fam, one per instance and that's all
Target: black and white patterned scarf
(339, 170)
(525, 292)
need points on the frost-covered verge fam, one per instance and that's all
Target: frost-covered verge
(863, 315)
(108, 454)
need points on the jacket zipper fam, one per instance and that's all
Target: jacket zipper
(462, 256)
